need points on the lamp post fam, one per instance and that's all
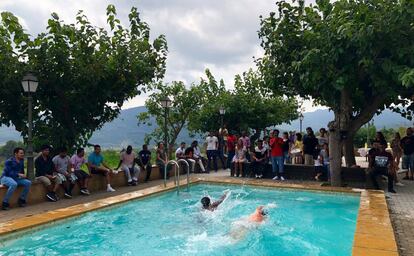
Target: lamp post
(166, 104)
(222, 111)
(30, 83)
(301, 117)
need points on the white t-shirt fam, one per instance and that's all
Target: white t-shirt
(127, 159)
(211, 142)
(179, 152)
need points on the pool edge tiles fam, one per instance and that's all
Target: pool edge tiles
(374, 234)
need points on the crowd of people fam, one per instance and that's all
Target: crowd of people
(239, 154)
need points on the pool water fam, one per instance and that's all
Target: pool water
(298, 223)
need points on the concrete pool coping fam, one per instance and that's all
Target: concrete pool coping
(374, 234)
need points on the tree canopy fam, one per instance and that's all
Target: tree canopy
(249, 106)
(85, 73)
(356, 57)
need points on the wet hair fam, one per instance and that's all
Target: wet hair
(205, 201)
(79, 150)
(16, 150)
(263, 212)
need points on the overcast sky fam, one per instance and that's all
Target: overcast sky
(217, 34)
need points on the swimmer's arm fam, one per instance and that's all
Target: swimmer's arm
(218, 202)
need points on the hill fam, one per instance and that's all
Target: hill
(124, 129)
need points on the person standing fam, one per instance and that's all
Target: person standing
(286, 147)
(231, 148)
(323, 137)
(310, 142)
(13, 176)
(80, 166)
(382, 163)
(220, 152)
(98, 166)
(144, 157)
(65, 177)
(396, 148)
(246, 143)
(212, 144)
(407, 144)
(223, 133)
(239, 159)
(162, 160)
(276, 144)
(127, 164)
(45, 173)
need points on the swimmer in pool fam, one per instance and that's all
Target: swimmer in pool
(241, 227)
(207, 205)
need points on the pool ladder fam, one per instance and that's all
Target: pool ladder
(177, 174)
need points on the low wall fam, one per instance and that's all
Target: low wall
(98, 183)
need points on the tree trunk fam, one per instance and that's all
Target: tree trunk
(349, 150)
(335, 157)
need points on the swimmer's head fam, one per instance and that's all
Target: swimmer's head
(263, 212)
(205, 201)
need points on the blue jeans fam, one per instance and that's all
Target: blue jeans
(212, 155)
(286, 157)
(12, 184)
(277, 164)
(230, 156)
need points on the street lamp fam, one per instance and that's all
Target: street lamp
(166, 104)
(222, 111)
(301, 117)
(30, 83)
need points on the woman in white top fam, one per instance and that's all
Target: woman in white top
(239, 159)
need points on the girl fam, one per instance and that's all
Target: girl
(239, 159)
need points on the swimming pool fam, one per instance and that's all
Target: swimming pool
(299, 223)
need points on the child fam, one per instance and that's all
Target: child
(239, 159)
(318, 163)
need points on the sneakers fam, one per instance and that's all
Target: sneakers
(392, 191)
(399, 184)
(282, 178)
(85, 192)
(275, 178)
(130, 183)
(110, 189)
(68, 194)
(21, 202)
(51, 197)
(5, 206)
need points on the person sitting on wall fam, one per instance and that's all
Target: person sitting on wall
(162, 160)
(189, 155)
(45, 173)
(127, 164)
(64, 174)
(98, 166)
(259, 159)
(239, 159)
(382, 163)
(181, 153)
(80, 168)
(207, 205)
(13, 176)
(144, 161)
(197, 155)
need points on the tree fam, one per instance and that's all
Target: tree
(85, 73)
(248, 106)
(185, 104)
(356, 57)
(7, 149)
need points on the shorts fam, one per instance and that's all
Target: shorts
(81, 175)
(44, 180)
(60, 178)
(407, 162)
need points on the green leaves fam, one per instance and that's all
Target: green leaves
(85, 74)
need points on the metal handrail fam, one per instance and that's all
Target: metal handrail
(176, 177)
(188, 172)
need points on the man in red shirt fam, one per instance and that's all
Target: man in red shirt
(231, 148)
(276, 144)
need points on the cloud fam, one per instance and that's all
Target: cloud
(217, 34)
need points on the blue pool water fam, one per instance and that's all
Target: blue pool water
(298, 223)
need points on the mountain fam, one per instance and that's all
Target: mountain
(124, 129)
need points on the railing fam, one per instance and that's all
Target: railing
(188, 172)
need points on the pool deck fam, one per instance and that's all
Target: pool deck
(374, 234)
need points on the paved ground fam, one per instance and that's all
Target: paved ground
(401, 207)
